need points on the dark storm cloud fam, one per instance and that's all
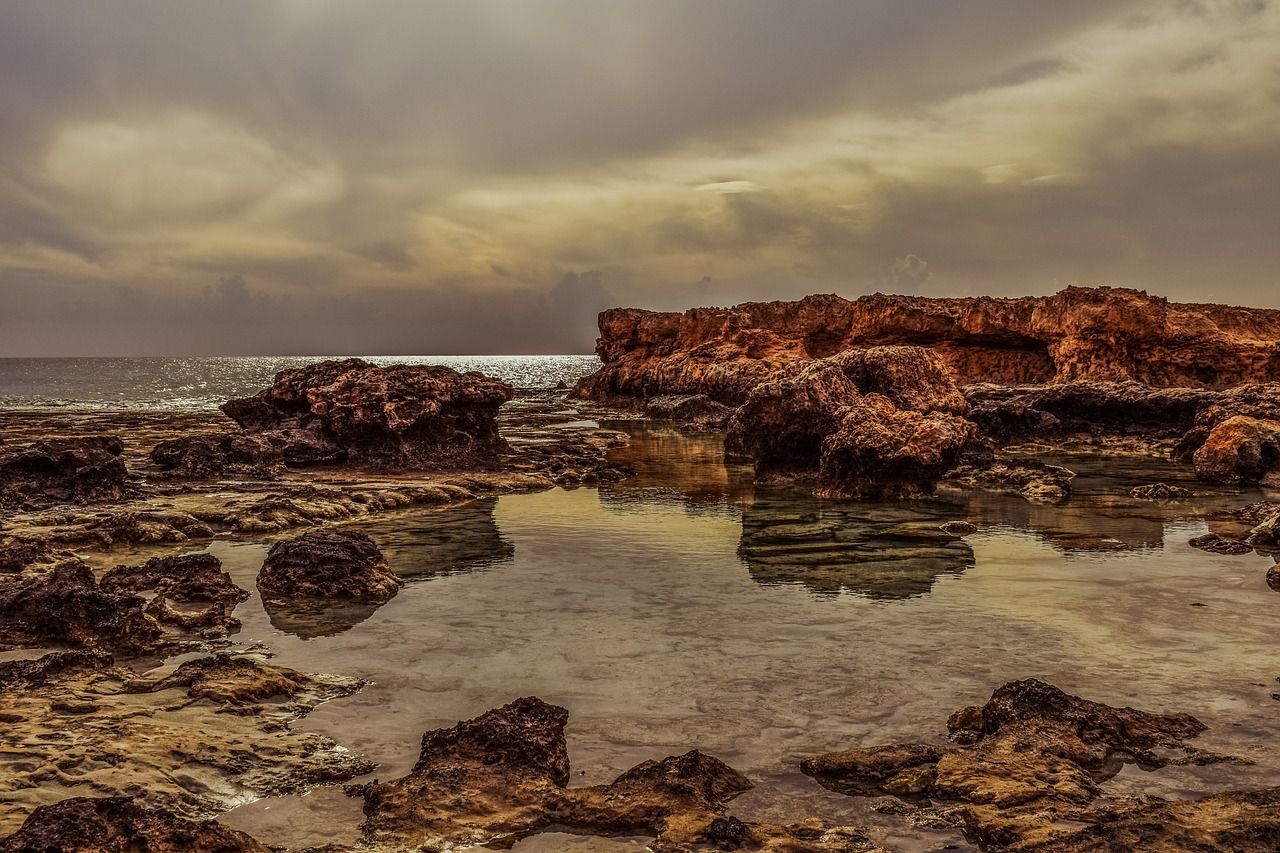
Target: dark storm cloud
(395, 176)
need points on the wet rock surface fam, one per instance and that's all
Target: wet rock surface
(1160, 492)
(404, 416)
(192, 740)
(1033, 479)
(1215, 544)
(118, 825)
(80, 470)
(328, 565)
(1022, 772)
(504, 775)
(191, 591)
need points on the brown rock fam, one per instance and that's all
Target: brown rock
(262, 455)
(1033, 479)
(696, 409)
(1239, 451)
(328, 564)
(81, 470)
(67, 607)
(18, 552)
(1102, 334)
(117, 825)
(1160, 492)
(1215, 544)
(403, 416)
(28, 674)
(189, 579)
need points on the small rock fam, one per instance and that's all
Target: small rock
(958, 528)
(1160, 492)
(1215, 544)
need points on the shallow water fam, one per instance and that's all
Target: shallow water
(687, 609)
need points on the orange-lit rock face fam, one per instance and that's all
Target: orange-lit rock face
(1079, 333)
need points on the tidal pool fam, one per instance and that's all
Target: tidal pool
(687, 609)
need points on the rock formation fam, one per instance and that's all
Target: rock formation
(73, 470)
(505, 773)
(404, 416)
(191, 591)
(1239, 451)
(874, 422)
(1106, 334)
(1023, 772)
(328, 565)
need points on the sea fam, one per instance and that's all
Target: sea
(197, 384)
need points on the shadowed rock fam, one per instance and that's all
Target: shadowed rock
(328, 565)
(117, 825)
(404, 416)
(698, 410)
(81, 470)
(1031, 758)
(28, 674)
(246, 454)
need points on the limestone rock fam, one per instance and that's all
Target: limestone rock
(81, 470)
(1160, 492)
(191, 579)
(328, 564)
(1239, 451)
(404, 416)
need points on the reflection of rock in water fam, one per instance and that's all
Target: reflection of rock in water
(676, 468)
(312, 619)
(418, 545)
(875, 549)
(443, 542)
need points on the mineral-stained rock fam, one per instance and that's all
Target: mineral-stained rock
(505, 773)
(696, 409)
(1260, 401)
(81, 470)
(1030, 758)
(866, 422)
(1160, 492)
(328, 564)
(118, 825)
(404, 416)
(190, 579)
(1102, 334)
(1239, 451)
(1215, 544)
(67, 607)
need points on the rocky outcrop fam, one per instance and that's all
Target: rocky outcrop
(1239, 451)
(1099, 334)
(245, 454)
(67, 607)
(328, 565)
(875, 422)
(118, 825)
(74, 470)
(505, 773)
(404, 416)
(191, 592)
(1029, 761)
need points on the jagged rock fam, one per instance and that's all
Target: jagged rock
(82, 470)
(1160, 492)
(328, 564)
(1098, 334)
(505, 773)
(1215, 544)
(403, 416)
(117, 825)
(67, 607)
(28, 674)
(958, 528)
(1029, 759)
(1256, 400)
(262, 455)
(697, 409)
(1035, 480)
(1239, 451)
(188, 579)
(865, 422)
(1266, 534)
(138, 527)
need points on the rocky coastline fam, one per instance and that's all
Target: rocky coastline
(880, 398)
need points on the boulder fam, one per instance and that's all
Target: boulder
(404, 416)
(83, 470)
(1239, 451)
(328, 565)
(67, 607)
(117, 825)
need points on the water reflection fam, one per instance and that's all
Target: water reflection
(420, 546)
(677, 469)
(881, 551)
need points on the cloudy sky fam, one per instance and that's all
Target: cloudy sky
(429, 177)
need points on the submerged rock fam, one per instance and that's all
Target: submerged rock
(1033, 479)
(1024, 766)
(118, 825)
(81, 470)
(505, 773)
(328, 565)
(404, 416)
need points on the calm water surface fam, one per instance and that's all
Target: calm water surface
(686, 608)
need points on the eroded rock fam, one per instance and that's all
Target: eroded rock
(1160, 492)
(1215, 544)
(1239, 451)
(328, 565)
(190, 579)
(698, 410)
(82, 470)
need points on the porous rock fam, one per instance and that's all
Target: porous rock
(328, 565)
(1239, 451)
(189, 579)
(81, 470)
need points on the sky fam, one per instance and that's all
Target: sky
(484, 176)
